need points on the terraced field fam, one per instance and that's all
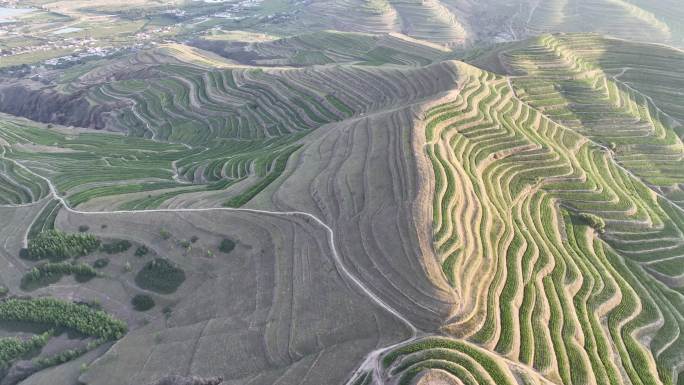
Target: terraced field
(562, 248)
(235, 128)
(17, 186)
(459, 23)
(330, 47)
(516, 198)
(397, 218)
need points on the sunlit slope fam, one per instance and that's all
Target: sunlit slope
(537, 227)
(429, 20)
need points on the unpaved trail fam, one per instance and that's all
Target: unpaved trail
(370, 363)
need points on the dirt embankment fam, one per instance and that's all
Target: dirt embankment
(194, 380)
(237, 51)
(45, 104)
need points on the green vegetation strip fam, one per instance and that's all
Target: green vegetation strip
(56, 245)
(279, 164)
(47, 273)
(46, 219)
(12, 348)
(59, 313)
(427, 344)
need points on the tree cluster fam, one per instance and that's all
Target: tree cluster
(49, 272)
(160, 275)
(118, 246)
(59, 313)
(57, 246)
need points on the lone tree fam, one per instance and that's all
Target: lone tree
(227, 245)
(142, 302)
(161, 276)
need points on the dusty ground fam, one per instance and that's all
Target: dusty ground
(276, 307)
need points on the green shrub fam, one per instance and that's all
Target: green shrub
(100, 263)
(141, 251)
(164, 234)
(167, 311)
(227, 245)
(161, 276)
(56, 245)
(115, 247)
(142, 302)
(594, 221)
(3, 291)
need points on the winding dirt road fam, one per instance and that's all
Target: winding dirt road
(372, 359)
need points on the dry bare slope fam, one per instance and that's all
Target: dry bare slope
(275, 309)
(271, 339)
(361, 177)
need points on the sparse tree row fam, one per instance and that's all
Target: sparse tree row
(59, 313)
(12, 348)
(52, 271)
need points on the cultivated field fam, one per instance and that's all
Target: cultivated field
(353, 208)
